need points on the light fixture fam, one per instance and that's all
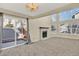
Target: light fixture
(32, 6)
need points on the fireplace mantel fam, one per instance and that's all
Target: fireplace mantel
(44, 27)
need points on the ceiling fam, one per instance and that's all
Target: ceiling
(21, 8)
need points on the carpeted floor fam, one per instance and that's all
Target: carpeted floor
(49, 47)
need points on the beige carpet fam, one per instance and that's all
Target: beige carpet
(49, 47)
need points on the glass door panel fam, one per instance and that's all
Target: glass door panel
(8, 35)
(21, 31)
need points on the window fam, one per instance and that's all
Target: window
(65, 17)
(53, 26)
(8, 23)
(68, 21)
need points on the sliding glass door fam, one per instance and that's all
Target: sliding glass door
(21, 31)
(8, 33)
(13, 31)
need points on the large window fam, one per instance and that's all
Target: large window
(65, 18)
(68, 24)
(68, 21)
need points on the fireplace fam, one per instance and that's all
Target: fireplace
(43, 32)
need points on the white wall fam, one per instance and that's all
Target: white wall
(34, 25)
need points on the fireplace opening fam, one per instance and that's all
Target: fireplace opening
(44, 34)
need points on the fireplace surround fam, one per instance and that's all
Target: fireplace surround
(43, 32)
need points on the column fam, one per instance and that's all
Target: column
(29, 40)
